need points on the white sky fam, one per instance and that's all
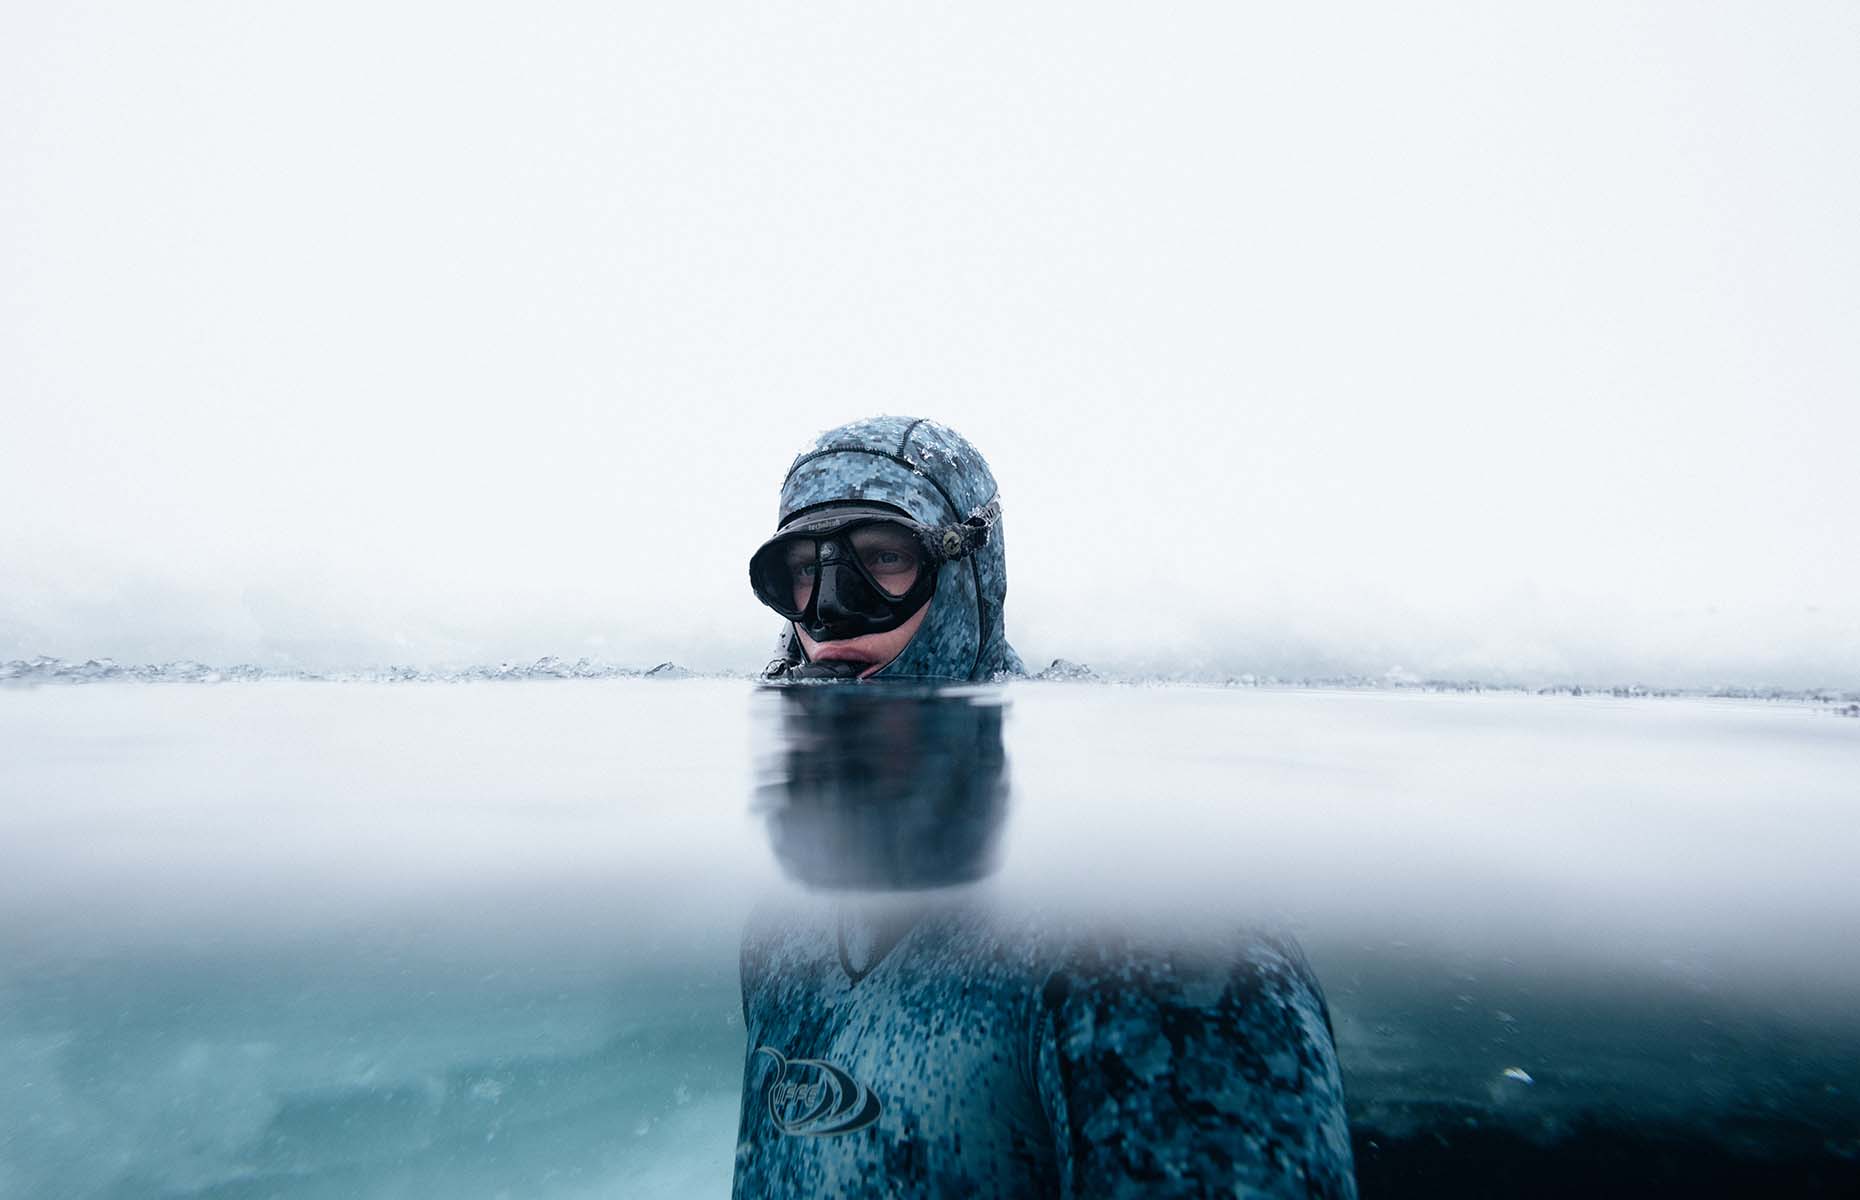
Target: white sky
(1509, 342)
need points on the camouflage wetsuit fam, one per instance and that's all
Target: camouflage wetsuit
(900, 1048)
(973, 1060)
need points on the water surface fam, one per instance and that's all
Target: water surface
(321, 939)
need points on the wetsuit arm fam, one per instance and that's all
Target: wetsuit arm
(1188, 1074)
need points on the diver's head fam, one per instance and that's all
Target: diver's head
(887, 559)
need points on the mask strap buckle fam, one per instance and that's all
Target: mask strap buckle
(958, 541)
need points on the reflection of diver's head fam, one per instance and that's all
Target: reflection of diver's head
(886, 789)
(888, 559)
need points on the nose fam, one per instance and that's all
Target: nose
(843, 597)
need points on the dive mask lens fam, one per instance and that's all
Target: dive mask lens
(884, 558)
(784, 573)
(889, 556)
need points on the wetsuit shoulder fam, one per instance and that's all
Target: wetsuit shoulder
(1190, 1070)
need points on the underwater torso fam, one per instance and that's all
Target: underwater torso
(908, 1048)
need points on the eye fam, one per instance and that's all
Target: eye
(887, 560)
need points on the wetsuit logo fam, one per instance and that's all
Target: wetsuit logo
(811, 1098)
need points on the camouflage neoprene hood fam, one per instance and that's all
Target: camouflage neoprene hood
(932, 475)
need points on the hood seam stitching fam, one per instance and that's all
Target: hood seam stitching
(905, 441)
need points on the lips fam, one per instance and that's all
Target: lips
(848, 653)
(842, 652)
(872, 651)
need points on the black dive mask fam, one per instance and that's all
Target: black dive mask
(848, 570)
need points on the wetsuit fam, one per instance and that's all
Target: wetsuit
(951, 1053)
(903, 1048)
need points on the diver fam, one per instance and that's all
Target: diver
(907, 1036)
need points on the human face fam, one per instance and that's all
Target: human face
(877, 649)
